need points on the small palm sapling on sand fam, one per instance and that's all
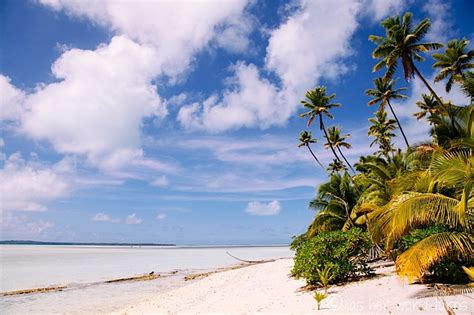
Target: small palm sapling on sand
(325, 276)
(319, 297)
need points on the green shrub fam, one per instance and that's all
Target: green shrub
(415, 236)
(297, 240)
(449, 270)
(345, 253)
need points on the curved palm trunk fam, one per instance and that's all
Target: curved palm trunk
(314, 156)
(348, 215)
(398, 122)
(426, 83)
(347, 162)
(321, 126)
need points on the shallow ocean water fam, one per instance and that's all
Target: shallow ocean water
(83, 268)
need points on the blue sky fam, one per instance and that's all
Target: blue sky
(177, 122)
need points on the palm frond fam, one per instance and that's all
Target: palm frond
(415, 262)
(412, 210)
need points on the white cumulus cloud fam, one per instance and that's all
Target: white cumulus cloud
(379, 9)
(177, 29)
(29, 185)
(161, 216)
(161, 181)
(263, 209)
(311, 44)
(97, 107)
(133, 219)
(22, 227)
(249, 101)
(102, 217)
(439, 12)
(11, 100)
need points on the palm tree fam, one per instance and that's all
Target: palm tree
(378, 176)
(336, 166)
(448, 199)
(334, 203)
(305, 140)
(428, 106)
(467, 85)
(454, 62)
(403, 42)
(383, 93)
(338, 141)
(454, 128)
(381, 129)
(319, 104)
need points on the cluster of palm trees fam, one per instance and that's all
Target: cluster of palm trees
(392, 193)
(319, 105)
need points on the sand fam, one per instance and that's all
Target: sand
(268, 288)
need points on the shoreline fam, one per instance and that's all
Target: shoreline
(135, 245)
(185, 275)
(236, 288)
(268, 288)
(82, 292)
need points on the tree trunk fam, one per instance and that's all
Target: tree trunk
(321, 126)
(347, 162)
(426, 84)
(398, 122)
(314, 156)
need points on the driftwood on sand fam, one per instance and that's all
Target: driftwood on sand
(251, 261)
(148, 276)
(201, 275)
(35, 290)
(245, 263)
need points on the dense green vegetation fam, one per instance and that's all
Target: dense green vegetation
(414, 204)
(343, 253)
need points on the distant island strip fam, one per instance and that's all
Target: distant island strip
(21, 242)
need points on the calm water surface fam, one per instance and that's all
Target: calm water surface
(82, 268)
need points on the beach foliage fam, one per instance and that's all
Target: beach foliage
(454, 62)
(414, 204)
(343, 254)
(446, 270)
(297, 241)
(325, 277)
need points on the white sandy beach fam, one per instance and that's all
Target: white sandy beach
(268, 288)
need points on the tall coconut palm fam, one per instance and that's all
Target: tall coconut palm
(338, 141)
(336, 166)
(378, 175)
(454, 62)
(454, 128)
(467, 85)
(305, 140)
(428, 106)
(319, 104)
(382, 93)
(403, 42)
(381, 129)
(334, 202)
